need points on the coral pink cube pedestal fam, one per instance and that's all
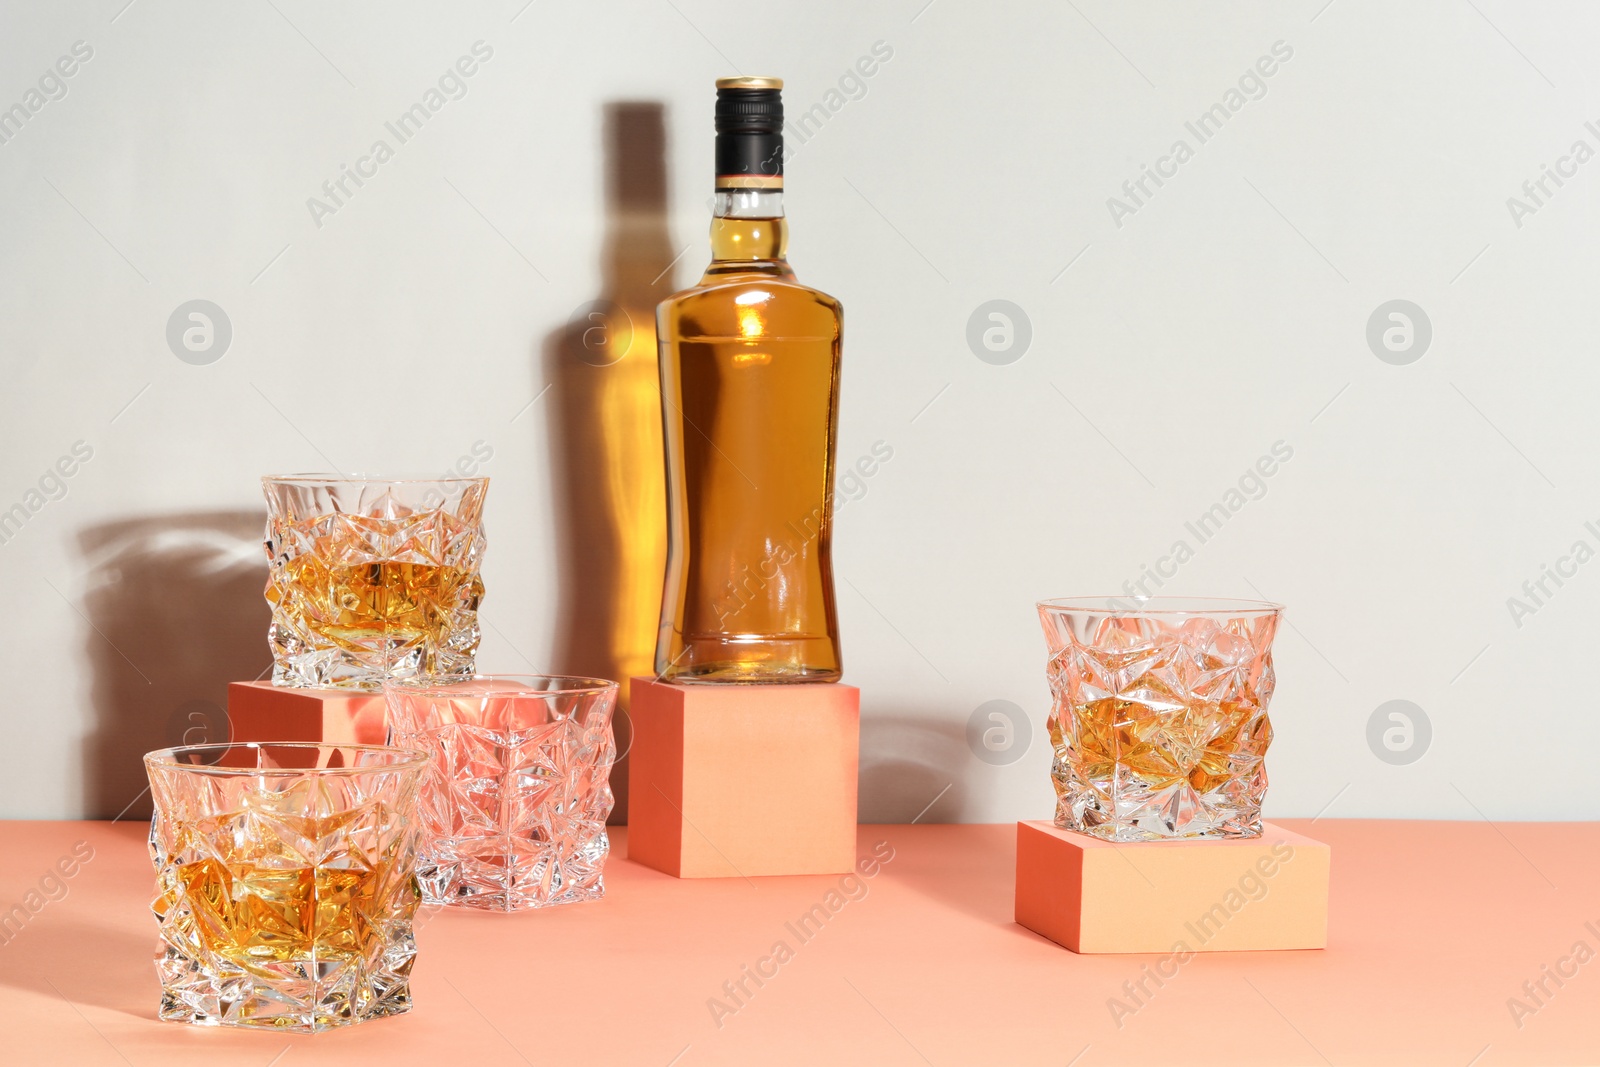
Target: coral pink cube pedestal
(727, 781)
(1197, 895)
(261, 711)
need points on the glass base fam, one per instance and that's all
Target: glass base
(752, 659)
(1157, 816)
(299, 997)
(299, 665)
(458, 892)
(740, 674)
(487, 875)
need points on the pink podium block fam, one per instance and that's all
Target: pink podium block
(743, 780)
(261, 711)
(1177, 897)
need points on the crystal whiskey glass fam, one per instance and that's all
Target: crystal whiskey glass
(1159, 715)
(372, 578)
(517, 790)
(286, 884)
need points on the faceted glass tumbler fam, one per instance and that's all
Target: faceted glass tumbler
(286, 883)
(1159, 714)
(370, 578)
(515, 798)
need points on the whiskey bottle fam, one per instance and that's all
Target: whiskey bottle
(750, 410)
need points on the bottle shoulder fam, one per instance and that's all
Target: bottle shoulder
(751, 305)
(784, 287)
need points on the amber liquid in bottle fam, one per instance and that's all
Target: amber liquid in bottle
(750, 405)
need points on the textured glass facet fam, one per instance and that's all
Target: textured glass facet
(1159, 715)
(371, 579)
(286, 883)
(514, 802)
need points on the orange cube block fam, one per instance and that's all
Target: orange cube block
(261, 711)
(1175, 897)
(727, 781)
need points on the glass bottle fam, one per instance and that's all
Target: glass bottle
(750, 408)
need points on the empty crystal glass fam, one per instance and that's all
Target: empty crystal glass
(286, 883)
(371, 578)
(1159, 715)
(515, 799)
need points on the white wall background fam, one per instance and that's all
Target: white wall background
(1168, 353)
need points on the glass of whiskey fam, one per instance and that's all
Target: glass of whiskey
(515, 797)
(370, 578)
(286, 883)
(1159, 714)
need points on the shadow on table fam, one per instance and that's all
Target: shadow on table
(973, 874)
(604, 419)
(70, 937)
(88, 963)
(908, 761)
(176, 611)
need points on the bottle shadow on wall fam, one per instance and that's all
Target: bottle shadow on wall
(604, 420)
(176, 613)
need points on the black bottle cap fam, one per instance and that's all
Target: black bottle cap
(750, 129)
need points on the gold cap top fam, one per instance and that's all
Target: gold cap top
(749, 83)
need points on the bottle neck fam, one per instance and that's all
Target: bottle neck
(748, 230)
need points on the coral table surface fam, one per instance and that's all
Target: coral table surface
(1449, 943)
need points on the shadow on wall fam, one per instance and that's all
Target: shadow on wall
(178, 613)
(604, 418)
(911, 767)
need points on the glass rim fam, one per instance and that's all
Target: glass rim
(574, 684)
(167, 758)
(371, 479)
(1136, 606)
